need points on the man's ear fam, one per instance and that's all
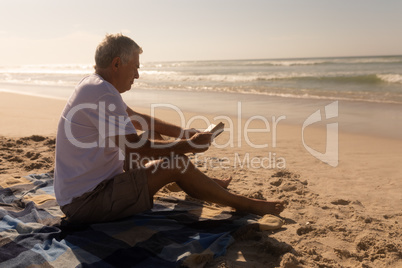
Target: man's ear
(116, 63)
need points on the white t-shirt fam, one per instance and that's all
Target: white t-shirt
(94, 112)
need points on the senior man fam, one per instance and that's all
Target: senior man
(97, 131)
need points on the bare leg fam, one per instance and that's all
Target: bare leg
(224, 183)
(156, 136)
(198, 185)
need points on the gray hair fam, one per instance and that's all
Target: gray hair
(115, 45)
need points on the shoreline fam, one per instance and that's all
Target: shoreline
(5, 88)
(375, 120)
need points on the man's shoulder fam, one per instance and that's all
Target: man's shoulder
(92, 81)
(93, 87)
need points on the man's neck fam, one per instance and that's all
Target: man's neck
(105, 74)
(108, 75)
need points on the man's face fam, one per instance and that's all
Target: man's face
(128, 72)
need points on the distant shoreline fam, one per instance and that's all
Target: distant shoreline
(373, 119)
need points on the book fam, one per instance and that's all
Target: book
(215, 129)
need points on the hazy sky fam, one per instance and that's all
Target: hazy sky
(49, 31)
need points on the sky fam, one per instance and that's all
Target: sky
(67, 32)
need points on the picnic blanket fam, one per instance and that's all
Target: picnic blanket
(174, 233)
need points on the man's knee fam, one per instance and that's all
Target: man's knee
(174, 164)
(183, 163)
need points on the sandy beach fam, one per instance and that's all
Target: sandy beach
(344, 216)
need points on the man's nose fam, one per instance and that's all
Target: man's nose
(136, 74)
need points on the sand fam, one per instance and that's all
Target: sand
(344, 216)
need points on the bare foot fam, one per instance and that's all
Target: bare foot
(224, 183)
(262, 207)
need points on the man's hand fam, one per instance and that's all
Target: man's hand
(200, 142)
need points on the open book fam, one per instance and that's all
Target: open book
(215, 129)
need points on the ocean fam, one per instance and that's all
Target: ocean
(369, 79)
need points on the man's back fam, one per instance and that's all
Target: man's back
(84, 159)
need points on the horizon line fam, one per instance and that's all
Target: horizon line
(205, 60)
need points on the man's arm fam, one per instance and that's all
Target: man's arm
(146, 122)
(145, 147)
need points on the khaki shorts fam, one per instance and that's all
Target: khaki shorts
(124, 195)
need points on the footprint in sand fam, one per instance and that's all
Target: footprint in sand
(341, 202)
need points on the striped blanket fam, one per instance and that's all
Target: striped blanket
(174, 233)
